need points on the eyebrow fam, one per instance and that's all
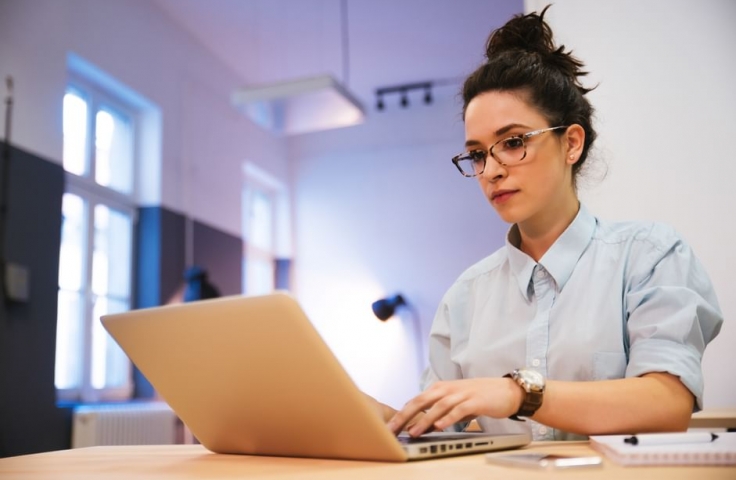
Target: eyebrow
(498, 133)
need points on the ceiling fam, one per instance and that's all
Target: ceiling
(365, 44)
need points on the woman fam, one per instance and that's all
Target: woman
(577, 325)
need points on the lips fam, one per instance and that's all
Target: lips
(501, 196)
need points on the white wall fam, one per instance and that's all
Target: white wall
(205, 141)
(666, 117)
(380, 209)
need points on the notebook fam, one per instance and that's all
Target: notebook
(721, 451)
(251, 375)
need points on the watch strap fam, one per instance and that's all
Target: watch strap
(529, 405)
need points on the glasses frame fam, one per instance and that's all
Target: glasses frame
(523, 137)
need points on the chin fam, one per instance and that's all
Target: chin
(510, 214)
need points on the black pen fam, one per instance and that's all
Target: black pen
(671, 438)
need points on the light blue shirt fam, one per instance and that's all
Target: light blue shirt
(606, 301)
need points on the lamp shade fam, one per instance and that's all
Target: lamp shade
(386, 307)
(299, 106)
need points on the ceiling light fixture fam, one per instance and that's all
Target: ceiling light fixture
(304, 105)
(403, 91)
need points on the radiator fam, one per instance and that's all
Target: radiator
(150, 423)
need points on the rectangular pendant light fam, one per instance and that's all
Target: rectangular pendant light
(300, 106)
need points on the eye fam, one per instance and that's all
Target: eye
(477, 156)
(512, 143)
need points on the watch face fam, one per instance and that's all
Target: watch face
(532, 378)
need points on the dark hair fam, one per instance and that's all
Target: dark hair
(522, 57)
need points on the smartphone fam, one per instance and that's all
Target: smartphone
(543, 460)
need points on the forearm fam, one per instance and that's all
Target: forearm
(651, 403)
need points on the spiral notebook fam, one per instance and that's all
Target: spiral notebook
(721, 451)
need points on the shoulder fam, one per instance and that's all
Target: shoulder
(640, 235)
(480, 272)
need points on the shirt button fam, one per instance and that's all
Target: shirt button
(542, 430)
(536, 362)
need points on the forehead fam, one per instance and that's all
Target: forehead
(490, 112)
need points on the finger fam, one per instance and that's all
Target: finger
(412, 408)
(402, 418)
(437, 411)
(460, 412)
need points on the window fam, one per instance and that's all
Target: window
(259, 248)
(265, 229)
(95, 268)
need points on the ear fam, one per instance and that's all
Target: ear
(575, 136)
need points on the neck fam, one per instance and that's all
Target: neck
(541, 231)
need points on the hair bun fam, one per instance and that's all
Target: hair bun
(530, 33)
(522, 32)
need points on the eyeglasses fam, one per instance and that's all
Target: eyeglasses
(507, 152)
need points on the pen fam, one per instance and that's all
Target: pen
(670, 438)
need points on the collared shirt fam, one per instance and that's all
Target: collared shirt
(606, 301)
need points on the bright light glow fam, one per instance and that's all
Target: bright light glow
(70, 314)
(113, 151)
(75, 134)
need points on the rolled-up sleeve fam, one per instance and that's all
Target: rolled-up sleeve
(441, 366)
(672, 310)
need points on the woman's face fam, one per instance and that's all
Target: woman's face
(540, 186)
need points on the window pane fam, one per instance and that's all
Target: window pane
(75, 133)
(113, 151)
(69, 335)
(111, 259)
(261, 222)
(73, 235)
(260, 275)
(70, 315)
(110, 366)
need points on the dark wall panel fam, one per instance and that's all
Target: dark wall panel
(29, 418)
(221, 254)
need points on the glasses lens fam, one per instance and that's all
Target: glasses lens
(510, 150)
(472, 163)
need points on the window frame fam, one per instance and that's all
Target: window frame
(92, 193)
(251, 251)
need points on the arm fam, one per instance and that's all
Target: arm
(653, 402)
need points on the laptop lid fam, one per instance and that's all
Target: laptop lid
(251, 375)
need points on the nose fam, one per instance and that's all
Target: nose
(493, 171)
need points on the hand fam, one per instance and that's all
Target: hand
(446, 403)
(387, 413)
(383, 411)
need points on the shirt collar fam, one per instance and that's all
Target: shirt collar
(560, 259)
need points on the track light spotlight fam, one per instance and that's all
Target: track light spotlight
(386, 307)
(403, 91)
(404, 99)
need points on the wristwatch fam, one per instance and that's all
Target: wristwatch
(533, 384)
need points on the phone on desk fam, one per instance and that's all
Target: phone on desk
(544, 460)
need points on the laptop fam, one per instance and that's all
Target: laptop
(251, 375)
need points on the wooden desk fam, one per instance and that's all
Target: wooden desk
(194, 462)
(715, 418)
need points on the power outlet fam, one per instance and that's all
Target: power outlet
(17, 282)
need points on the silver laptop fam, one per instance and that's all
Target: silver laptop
(251, 375)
